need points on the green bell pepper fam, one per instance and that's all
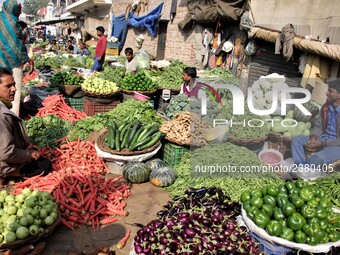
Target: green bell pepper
(313, 203)
(289, 185)
(307, 193)
(325, 202)
(252, 212)
(300, 237)
(282, 200)
(321, 213)
(296, 221)
(278, 214)
(256, 193)
(272, 190)
(264, 191)
(245, 196)
(294, 191)
(300, 183)
(282, 189)
(283, 223)
(312, 229)
(321, 236)
(312, 240)
(323, 224)
(257, 202)
(313, 220)
(274, 228)
(288, 209)
(262, 219)
(297, 201)
(334, 236)
(333, 217)
(307, 211)
(268, 209)
(320, 193)
(269, 200)
(246, 205)
(287, 234)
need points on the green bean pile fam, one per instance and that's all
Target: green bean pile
(331, 186)
(220, 154)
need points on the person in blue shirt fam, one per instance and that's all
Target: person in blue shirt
(324, 141)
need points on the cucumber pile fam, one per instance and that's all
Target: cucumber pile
(133, 136)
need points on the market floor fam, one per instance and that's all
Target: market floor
(142, 205)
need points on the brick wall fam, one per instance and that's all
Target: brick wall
(179, 44)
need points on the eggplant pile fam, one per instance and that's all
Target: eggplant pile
(203, 221)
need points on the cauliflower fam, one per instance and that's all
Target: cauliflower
(275, 77)
(258, 94)
(256, 86)
(265, 85)
(268, 96)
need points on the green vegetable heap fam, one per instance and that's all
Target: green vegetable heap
(66, 78)
(297, 211)
(137, 81)
(25, 215)
(45, 131)
(234, 186)
(112, 73)
(129, 110)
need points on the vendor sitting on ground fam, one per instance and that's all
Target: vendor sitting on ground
(324, 141)
(131, 64)
(72, 48)
(83, 49)
(190, 86)
(16, 160)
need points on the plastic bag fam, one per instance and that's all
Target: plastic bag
(143, 59)
(38, 95)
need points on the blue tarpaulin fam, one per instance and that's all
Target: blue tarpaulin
(149, 21)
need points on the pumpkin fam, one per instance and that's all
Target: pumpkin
(163, 177)
(155, 163)
(136, 172)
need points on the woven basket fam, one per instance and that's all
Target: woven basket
(32, 239)
(144, 92)
(124, 152)
(252, 144)
(98, 95)
(69, 89)
(281, 143)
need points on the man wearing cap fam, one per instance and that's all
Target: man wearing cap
(324, 141)
(13, 53)
(100, 50)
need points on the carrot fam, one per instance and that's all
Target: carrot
(67, 224)
(123, 241)
(108, 220)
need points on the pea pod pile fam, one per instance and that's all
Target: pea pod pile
(297, 211)
(203, 221)
(133, 136)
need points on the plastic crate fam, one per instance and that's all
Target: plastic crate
(113, 51)
(93, 105)
(172, 154)
(76, 103)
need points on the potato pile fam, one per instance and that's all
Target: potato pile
(182, 127)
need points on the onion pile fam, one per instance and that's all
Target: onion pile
(203, 221)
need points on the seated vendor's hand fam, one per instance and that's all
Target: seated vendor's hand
(35, 155)
(314, 145)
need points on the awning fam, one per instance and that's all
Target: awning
(331, 51)
(54, 20)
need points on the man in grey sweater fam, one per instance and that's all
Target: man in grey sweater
(324, 141)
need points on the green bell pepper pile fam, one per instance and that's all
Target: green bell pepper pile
(296, 211)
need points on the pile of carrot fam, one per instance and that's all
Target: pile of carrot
(79, 186)
(56, 104)
(29, 77)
